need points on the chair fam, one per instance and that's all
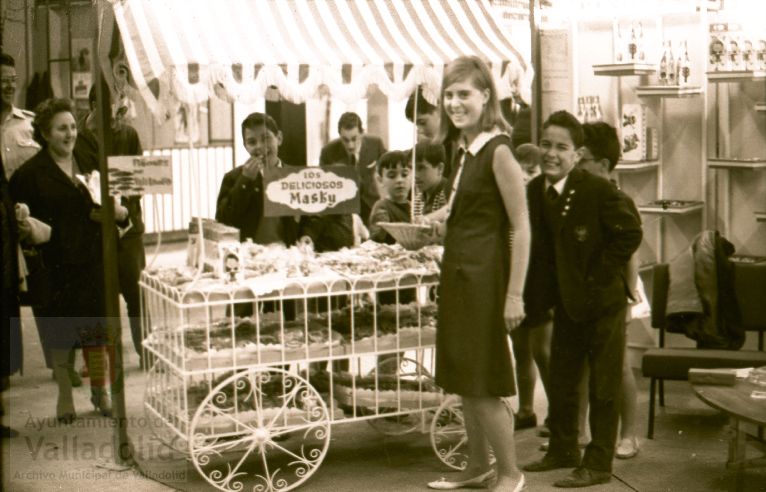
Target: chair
(667, 363)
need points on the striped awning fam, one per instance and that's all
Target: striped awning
(188, 50)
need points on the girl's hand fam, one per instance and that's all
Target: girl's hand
(514, 312)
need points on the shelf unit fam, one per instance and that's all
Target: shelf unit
(637, 166)
(736, 76)
(674, 91)
(624, 69)
(739, 183)
(663, 178)
(719, 163)
(662, 209)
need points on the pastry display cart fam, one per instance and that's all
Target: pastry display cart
(249, 375)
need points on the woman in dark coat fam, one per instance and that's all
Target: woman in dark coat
(75, 311)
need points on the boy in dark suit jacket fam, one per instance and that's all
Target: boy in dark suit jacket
(361, 151)
(583, 234)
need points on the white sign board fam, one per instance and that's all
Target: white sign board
(131, 175)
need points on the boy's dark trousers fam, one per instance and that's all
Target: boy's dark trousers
(600, 343)
(131, 260)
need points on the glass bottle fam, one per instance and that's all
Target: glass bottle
(632, 47)
(618, 43)
(580, 110)
(671, 78)
(686, 67)
(664, 65)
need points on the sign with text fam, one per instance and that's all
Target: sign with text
(311, 190)
(131, 175)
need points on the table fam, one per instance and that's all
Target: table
(736, 402)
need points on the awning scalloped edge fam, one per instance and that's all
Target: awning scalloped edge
(219, 81)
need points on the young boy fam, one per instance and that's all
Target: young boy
(394, 172)
(433, 187)
(530, 158)
(583, 234)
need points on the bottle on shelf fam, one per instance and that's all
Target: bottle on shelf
(632, 44)
(617, 42)
(686, 67)
(748, 55)
(598, 115)
(640, 43)
(581, 109)
(735, 53)
(664, 65)
(671, 71)
(761, 54)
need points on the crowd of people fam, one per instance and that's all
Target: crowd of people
(538, 244)
(52, 241)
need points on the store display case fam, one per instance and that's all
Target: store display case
(662, 96)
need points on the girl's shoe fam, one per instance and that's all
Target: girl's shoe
(478, 481)
(101, 402)
(627, 448)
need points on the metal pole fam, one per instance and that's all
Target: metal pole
(123, 451)
(537, 84)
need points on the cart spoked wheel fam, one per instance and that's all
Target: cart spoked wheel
(158, 401)
(405, 369)
(448, 437)
(262, 429)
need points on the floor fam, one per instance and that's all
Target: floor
(687, 454)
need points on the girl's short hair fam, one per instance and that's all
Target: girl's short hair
(44, 113)
(471, 68)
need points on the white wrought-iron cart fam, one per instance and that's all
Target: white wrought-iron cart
(249, 377)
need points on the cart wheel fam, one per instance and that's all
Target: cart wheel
(406, 369)
(260, 429)
(157, 408)
(448, 436)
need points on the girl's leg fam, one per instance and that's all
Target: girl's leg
(525, 370)
(540, 340)
(96, 361)
(496, 422)
(478, 448)
(628, 444)
(65, 404)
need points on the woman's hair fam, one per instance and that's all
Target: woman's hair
(44, 113)
(473, 69)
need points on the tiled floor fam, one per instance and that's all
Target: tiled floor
(687, 454)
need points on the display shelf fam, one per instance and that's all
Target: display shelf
(667, 91)
(623, 69)
(738, 76)
(748, 259)
(671, 207)
(634, 166)
(760, 107)
(760, 216)
(720, 163)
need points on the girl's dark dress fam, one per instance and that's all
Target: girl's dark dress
(472, 346)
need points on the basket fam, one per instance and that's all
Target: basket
(411, 236)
